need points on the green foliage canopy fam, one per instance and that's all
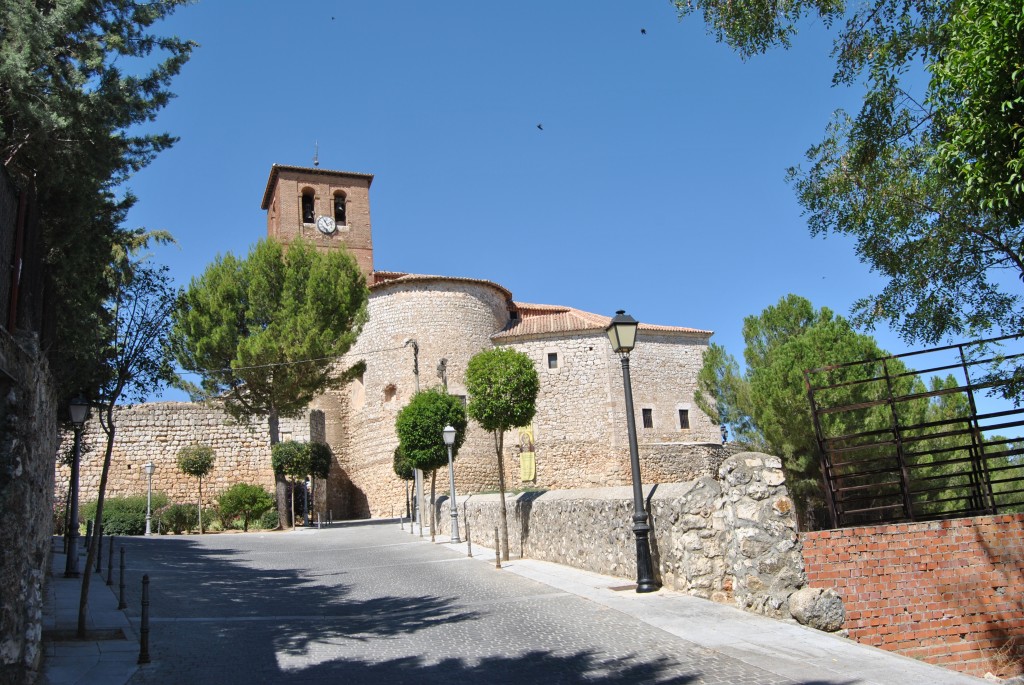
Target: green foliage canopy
(403, 469)
(926, 177)
(420, 425)
(320, 457)
(79, 81)
(767, 408)
(196, 460)
(247, 501)
(265, 331)
(290, 458)
(503, 386)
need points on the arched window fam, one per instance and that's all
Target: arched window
(339, 209)
(307, 207)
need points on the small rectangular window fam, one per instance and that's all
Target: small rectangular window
(462, 398)
(552, 360)
(684, 418)
(648, 416)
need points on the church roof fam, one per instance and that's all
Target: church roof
(275, 169)
(545, 319)
(379, 278)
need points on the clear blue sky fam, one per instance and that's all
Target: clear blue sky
(656, 186)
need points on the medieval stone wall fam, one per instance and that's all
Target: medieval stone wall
(730, 538)
(156, 431)
(28, 443)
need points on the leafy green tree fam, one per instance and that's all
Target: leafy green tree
(290, 459)
(503, 386)
(265, 333)
(248, 501)
(925, 179)
(137, 362)
(196, 461)
(77, 79)
(767, 408)
(404, 470)
(420, 427)
(320, 458)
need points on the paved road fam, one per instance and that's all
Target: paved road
(371, 604)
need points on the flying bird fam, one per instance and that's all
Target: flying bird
(643, 32)
(540, 126)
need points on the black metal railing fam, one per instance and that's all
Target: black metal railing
(899, 444)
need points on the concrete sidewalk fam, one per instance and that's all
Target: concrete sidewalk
(787, 649)
(109, 653)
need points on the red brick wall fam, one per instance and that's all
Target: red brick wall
(946, 592)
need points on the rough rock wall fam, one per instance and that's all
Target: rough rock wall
(28, 443)
(156, 431)
(731, 539)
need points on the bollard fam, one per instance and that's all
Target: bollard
(110, 561)
(120, 602)
(469, 541)
(144, 630)
(88, 535)
(330, 517)
(99, 547)
(497, 550)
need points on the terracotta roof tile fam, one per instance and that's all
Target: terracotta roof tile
(380, 278)
(543, 319)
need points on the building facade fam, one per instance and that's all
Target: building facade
(421, 332)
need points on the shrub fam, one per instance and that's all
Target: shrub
(269, 520)
(248, 502)
(123, 515)
(178, 518)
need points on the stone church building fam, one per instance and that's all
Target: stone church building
(422, 331)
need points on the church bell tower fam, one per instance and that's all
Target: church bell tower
(329, 209)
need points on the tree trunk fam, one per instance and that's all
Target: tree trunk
(433, 479)
(90, 557)
(280, 483)
(499, 446)
(199, 509)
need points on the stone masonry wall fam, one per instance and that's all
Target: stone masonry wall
(946, 592)
(156, 431)
(731, 539)
(28, 443)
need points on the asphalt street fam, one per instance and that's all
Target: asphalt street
(373, 604)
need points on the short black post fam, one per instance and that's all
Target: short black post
(110, 561)
(99, 547)
(497, 550)
(144, 630)
(120, 602)
(88, 536)
(469, 539)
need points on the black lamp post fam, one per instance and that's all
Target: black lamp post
(79, 410)
(622, 333)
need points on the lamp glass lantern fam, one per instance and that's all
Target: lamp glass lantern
(622, 332)
(79, 410)
(449, 435)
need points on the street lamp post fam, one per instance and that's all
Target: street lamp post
(449, 440)
(149, 467)
(79, 410)
(622, 333)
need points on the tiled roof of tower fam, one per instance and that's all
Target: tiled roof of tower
(311, 170)
(541, 319)
(379, 278)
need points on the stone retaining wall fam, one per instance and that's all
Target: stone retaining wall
(28, 441)
(731, 539)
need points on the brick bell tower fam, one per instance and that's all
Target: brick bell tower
(327, 208)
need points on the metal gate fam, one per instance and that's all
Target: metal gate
(899, 444)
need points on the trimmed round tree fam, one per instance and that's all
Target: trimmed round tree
(420, 427)
(291, 459)
(320, 458)
(248, 501)
(503, 386)
(196, 461)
